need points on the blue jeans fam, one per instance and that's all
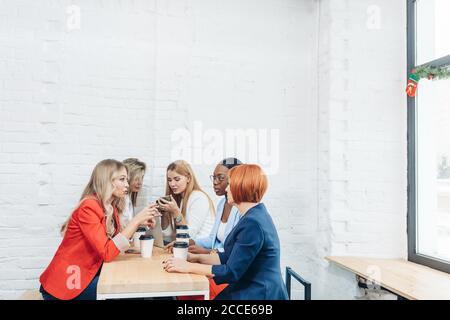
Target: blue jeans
(90, 293)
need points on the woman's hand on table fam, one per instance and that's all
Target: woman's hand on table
(176, 265)
(192, 257)
(169, 247)
(198, 250)
(183, 266)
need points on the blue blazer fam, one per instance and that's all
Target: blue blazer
(250, 263)
(211, 241)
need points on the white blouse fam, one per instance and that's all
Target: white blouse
(221, 231)
(199, 216)
(168, 234)
(128, 212)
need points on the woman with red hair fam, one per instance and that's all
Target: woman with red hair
(250, 263)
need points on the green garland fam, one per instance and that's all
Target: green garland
(432, 73)
(425, 72)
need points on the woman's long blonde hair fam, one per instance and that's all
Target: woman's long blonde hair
(101, 188)
(183, 168)
(135, 168)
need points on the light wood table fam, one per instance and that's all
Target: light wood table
(131, 276)
(406, 279)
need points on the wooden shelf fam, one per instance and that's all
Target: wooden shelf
(407, 279)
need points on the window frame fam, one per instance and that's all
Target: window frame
(413, 255)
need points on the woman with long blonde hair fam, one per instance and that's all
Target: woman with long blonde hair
(92, 235)
(190, 205)
(136, 171)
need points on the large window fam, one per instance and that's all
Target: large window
(429, 136)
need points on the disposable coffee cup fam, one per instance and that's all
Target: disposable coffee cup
(139, 232)
(180, 250)
(182, 229)
(146, 243)
(182, 237)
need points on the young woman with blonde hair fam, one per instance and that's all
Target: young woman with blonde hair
(92, 235)
(190, 205)
(136, 171)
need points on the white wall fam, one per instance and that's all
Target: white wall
(362, 145)
(69, 97)
(137, 72)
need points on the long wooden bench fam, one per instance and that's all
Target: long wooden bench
(404, 278)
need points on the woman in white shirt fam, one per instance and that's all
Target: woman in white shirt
(190, 205)
(136, 171)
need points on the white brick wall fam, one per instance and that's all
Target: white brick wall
(134, 72)
(362, 137)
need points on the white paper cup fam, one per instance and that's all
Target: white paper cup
(146, 244)
(180, 250)
(136, 243)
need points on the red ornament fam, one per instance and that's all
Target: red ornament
(411, 88)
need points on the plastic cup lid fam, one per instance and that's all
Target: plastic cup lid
(181, 245)
(182, 235)
(141, 229)
(182, 227)
(146, 237)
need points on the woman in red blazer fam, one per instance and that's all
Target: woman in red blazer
(92, 235)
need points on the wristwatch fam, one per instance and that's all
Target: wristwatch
(179, 218)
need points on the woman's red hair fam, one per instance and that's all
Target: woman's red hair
(248, 183)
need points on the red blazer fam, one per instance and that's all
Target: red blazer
(84, 248)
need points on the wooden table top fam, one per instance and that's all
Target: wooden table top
(130, 273)
(407, 279)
